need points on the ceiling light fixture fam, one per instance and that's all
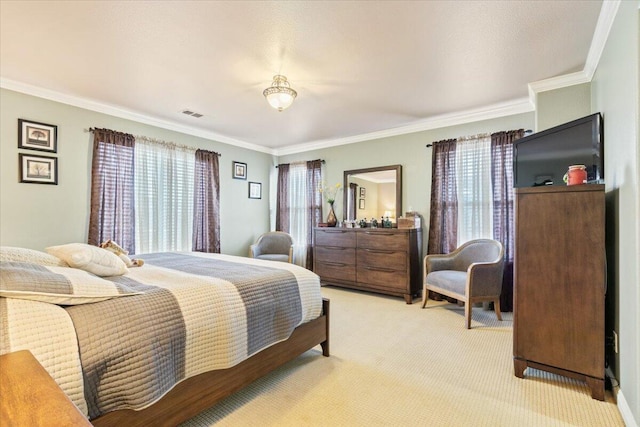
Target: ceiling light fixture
(279, 94)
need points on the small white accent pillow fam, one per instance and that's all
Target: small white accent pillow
(90, 258)
(10, 253)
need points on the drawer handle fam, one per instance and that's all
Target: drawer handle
(333, 231)
(377, 233)
(336, 248)
(335, 264)
(379, 251)
(386, 270)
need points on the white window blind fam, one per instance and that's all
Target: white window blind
(474, 194)
(164, 180)
(298, 211)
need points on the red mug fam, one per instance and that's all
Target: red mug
(577, 175)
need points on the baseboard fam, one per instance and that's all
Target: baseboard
(625, 411)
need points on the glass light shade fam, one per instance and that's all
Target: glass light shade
(280, 100)
(279, 95)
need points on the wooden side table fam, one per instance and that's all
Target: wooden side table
(30, 397)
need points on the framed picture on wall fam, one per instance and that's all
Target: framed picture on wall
(38, 169)
(361, 204)
(37, 136)
(239, 170)
(363, 193)
(255, 190)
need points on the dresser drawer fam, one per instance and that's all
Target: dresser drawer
(386, 240)
(335, 254)
(383, 277)
(335, 237)
(387, 259)
(335, 271)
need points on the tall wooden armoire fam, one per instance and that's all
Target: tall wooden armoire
(560, 282)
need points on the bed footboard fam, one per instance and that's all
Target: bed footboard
(198, 393)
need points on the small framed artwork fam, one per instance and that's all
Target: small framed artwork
(363, 193)
(239, 170)
(255, 190)
(361, 204)
(37, 136)
(38, 169)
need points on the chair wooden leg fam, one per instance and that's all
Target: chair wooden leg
(496, 307)
(425, 297)
(467, 313)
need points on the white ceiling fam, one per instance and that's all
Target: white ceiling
(359, 68)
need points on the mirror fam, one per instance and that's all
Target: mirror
(373, 193)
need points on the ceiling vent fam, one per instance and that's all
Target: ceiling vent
(192, 113)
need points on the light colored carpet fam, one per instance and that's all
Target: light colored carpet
(394, 364)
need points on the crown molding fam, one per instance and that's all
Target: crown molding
(607, 15)
(122, 113)
(518, 106)
(558, 82)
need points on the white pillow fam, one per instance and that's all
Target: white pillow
(9, 253)
(56, 285)
(90, 258)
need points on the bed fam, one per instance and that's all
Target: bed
(162, 342)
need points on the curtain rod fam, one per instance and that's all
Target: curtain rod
(526, 132)
(321, 161)
(159, 141)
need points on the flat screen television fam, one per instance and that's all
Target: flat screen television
(544, 157)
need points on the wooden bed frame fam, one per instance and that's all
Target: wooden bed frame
(194, 395)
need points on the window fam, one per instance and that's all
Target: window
(299, 206)
(151, 196)
(474, 195)
(163, 197)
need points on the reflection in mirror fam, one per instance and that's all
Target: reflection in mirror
(373, 193)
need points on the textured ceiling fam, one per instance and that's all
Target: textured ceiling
(358, 67)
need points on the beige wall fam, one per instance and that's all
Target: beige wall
(559, 106)
(36, 216)
(410, 151)
(615, 93)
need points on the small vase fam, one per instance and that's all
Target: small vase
(331, 218)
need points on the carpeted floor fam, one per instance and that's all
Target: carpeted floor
(394, 364)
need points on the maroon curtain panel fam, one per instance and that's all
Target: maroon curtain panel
(112, 214)
(503, 205)
(206, 203)
(282, 201)
(443, 214)
(314, 206)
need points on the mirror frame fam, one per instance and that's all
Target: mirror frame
(397, 168)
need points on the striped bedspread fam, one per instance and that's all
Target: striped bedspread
(197, 312)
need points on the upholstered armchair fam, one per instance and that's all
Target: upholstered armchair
(274, 246)
(472, 273)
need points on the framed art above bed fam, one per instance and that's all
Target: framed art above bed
(38, 169)
(37, 136)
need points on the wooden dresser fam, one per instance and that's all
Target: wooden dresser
(383, 260)
(559, 286)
